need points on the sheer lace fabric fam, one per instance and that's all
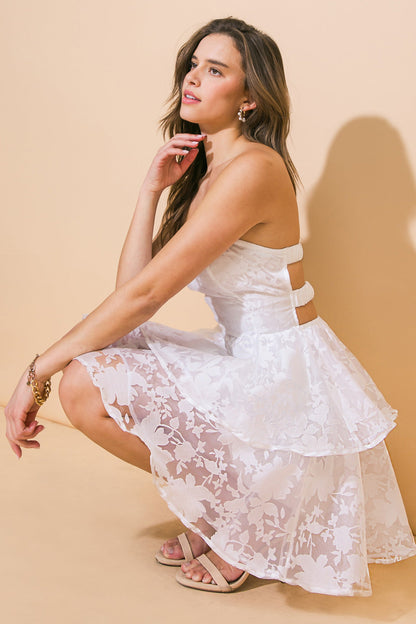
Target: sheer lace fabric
(266, 437)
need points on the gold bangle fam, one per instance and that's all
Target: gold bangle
(39, 397)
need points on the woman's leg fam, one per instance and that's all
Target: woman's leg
(82, 403)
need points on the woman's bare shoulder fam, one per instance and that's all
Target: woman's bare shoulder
(264, 173)
(260, 168)
(258, 156)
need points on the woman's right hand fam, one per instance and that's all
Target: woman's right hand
(21, 423)
(165, 170)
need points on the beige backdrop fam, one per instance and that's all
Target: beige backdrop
(84, 83)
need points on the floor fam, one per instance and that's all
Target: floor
(78, 531)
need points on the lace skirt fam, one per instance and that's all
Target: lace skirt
(312, 502)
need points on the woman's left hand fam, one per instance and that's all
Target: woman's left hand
(21, 423)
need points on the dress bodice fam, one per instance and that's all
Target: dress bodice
(272, 382)
(248, 288)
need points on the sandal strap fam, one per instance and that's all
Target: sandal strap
(186, 547)
(213, 570)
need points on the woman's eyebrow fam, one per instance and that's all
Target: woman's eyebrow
(212, 61)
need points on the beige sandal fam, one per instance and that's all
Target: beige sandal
(221, 584)
(186, 549)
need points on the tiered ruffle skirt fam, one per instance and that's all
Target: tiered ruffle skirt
(270, 446)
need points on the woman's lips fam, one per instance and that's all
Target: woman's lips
(186, 100)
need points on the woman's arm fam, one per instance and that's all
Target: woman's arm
(137, 248)
(235, 203)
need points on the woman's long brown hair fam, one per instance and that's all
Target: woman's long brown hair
(268, 123)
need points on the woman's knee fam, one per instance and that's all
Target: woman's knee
(77, 393)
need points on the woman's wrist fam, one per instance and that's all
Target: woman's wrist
(41, 388)
(147, 191)
(51, 361)
(41, 374)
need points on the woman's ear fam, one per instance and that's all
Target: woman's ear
(250, 105)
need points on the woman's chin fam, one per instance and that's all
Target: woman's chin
(188, 117)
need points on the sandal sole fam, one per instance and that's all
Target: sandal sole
(212, 587)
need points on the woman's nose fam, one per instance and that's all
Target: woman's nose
(193, 77)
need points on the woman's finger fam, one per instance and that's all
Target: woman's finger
(188, 160)
(15, 448)
(188, 135)
(30, 425)
(17, 431)
(175, 151)
(33, 433)
(175, 141)
(179, 141)
(29, 443)
(170, 150)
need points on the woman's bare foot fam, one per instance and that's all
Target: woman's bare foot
(195, 570)
(172, 548)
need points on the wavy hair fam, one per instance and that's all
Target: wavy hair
(268, 123)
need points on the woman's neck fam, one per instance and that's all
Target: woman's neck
(221, 146)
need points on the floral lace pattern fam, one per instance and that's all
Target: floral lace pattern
(266, 436)
(277, 514)
(299, 389)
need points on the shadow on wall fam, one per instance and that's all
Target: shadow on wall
(361, 260)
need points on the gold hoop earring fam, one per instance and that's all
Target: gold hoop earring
(242, 115)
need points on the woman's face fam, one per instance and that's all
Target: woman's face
(216, 79)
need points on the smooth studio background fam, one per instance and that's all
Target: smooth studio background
(83, 86)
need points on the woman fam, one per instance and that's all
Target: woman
(264, 436)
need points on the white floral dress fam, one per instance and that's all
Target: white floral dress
(266, 436)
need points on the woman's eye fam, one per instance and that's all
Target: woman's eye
(215, 71)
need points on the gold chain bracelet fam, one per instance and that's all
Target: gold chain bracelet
(31, 381)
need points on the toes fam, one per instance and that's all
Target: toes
(195, 571)
(171, 548)
(192, 570)
(202, 576)
(207, 578)
(188, 568)
(198, 575)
